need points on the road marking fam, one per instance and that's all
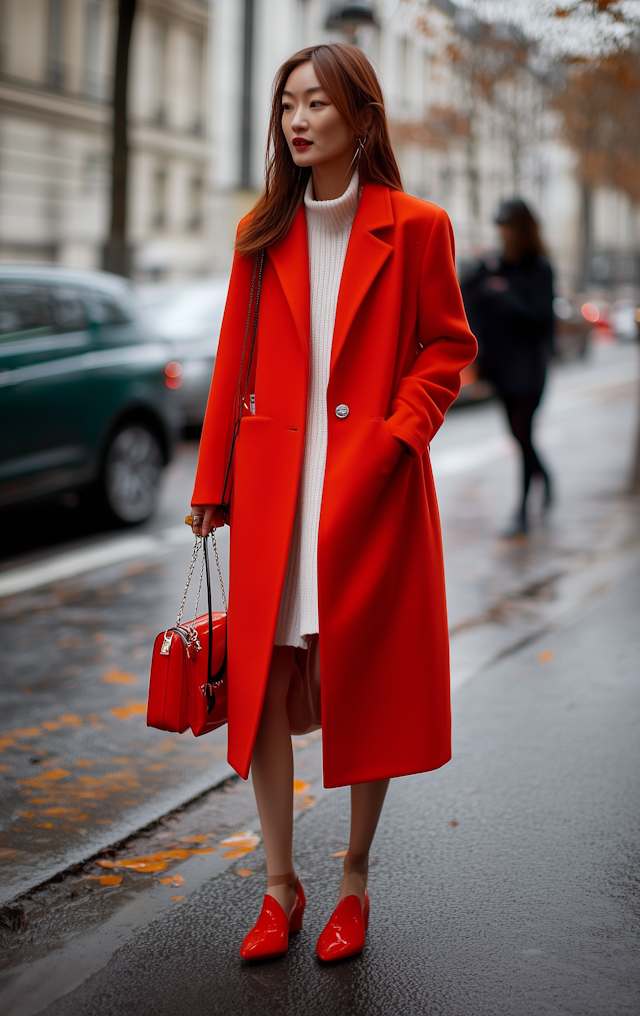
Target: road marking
(77, 562)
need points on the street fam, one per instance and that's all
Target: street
(502, 883)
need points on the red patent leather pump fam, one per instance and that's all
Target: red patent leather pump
(345, 932)
(269, 937)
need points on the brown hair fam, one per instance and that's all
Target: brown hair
(352, 85)
(525, 237)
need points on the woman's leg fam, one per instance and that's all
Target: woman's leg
(366, 804)
(272, 772)
(520, 413)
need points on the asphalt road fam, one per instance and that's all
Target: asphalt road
(505, 883)
(533, 787)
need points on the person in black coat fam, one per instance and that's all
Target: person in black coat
(509, 303)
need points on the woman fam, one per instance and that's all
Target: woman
(336, 559)
(510, 305)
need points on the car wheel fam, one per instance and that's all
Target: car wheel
(132, 472)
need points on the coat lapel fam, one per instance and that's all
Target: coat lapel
(290, 258)
(366, 254)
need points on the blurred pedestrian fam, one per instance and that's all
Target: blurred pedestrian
(509, 301)
(336, 556)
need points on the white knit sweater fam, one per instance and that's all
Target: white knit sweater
(328, 229)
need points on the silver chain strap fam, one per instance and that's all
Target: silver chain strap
(197, 546)
(215, 551)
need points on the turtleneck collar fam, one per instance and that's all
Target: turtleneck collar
(335, 214)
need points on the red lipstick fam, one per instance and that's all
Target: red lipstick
(301, 144)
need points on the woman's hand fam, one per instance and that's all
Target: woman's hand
(497, 283)
(205, 518)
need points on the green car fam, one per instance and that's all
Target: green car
(84, 403)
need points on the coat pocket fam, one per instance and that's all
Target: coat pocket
(390, 450)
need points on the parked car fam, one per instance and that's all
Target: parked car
(84, 404)
(572, 328)
(188, 316)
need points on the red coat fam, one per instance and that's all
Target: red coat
(401, 339)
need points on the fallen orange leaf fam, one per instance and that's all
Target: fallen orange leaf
(453, 823)
(118, 677)
(176, 897)
(6, 853)
(195, 839)
(300, 787)
(144, 865)
(126, 712)
(104, 879)
(244, 872)
(237, 852)
(72, 719)
(339, 853)
(168, 855)
(245, 839)
(174, 880)
(546, 656)
(62, 811)
(51, 774)
(44, 825)
(306, 802)
(26, 814)
(50, 724)
(106, 864)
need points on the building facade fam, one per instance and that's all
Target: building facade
(56, 67)
(463, 153)
(200, 82)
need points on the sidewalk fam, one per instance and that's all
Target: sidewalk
(501, 885)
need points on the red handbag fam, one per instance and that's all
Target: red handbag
(188, 684)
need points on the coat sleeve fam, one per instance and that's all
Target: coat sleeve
(217, 428)
(532, 304)
(432, 383)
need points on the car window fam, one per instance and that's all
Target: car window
(70, 310)
(26, 311)
(106, 309)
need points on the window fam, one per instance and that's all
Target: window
(195, 69)
(196, 197)
(92, 76)
(106, 309)
(26, 311)
(403, 71)
(158, 71)
(159, 199)
(55, 66)
(69, 310)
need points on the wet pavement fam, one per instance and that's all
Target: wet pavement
(503, 880)
(504, 883)
(78, 765)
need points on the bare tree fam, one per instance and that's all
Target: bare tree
(496, 83)
(116, 256)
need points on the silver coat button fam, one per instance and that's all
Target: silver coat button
(342, 412)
